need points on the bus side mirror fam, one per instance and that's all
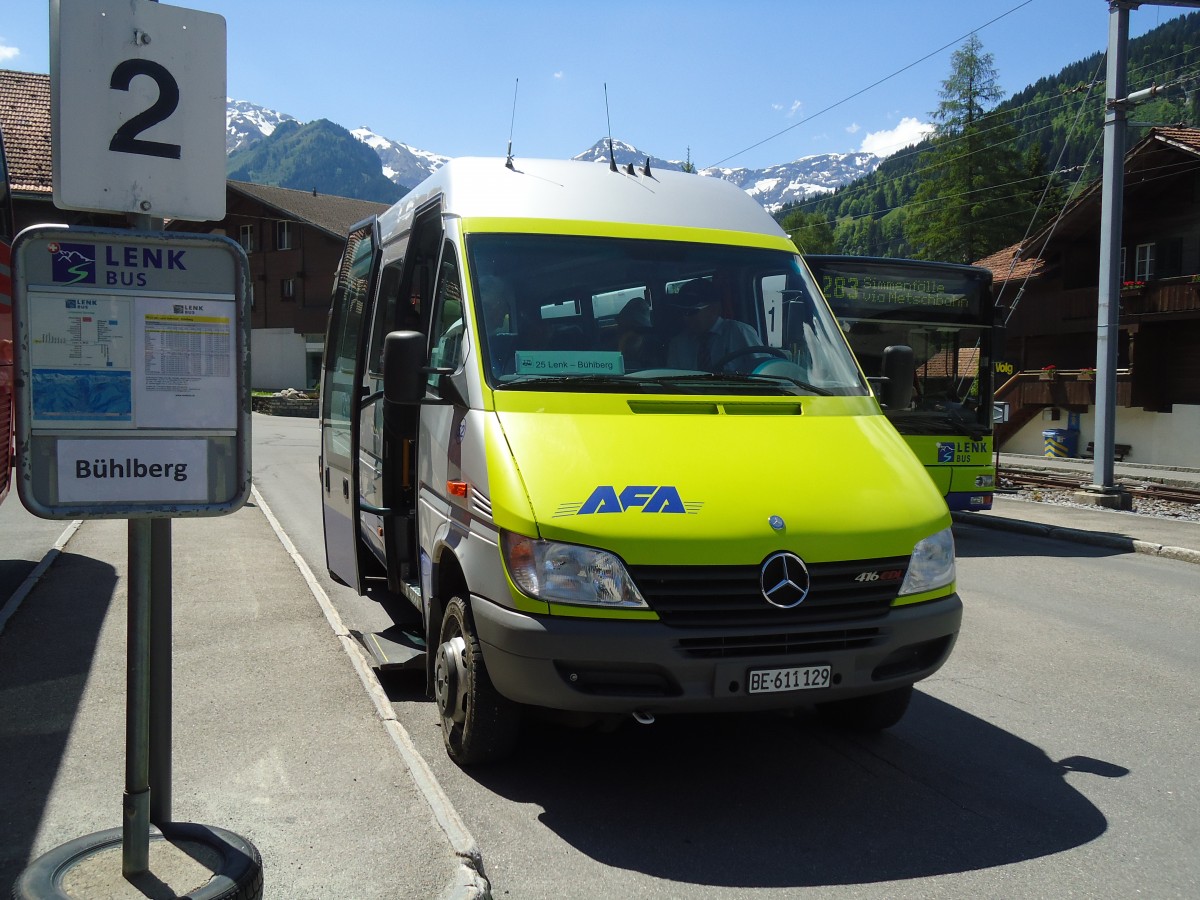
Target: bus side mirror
(898, 370)
(403, 359)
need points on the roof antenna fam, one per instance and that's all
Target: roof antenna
(612, 159)
(509, 162)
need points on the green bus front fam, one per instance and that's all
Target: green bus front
(945, 313)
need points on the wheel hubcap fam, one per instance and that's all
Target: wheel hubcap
(449, 679)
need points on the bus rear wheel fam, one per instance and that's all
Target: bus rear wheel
(874, 712)
(478, 724)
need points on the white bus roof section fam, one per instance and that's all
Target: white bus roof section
(580, 191)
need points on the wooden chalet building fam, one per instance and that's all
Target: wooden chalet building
(293, 239)
(1051, 286)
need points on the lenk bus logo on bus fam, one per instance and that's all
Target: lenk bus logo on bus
(645, 498)
(963, 451)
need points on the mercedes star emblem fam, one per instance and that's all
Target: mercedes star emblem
(784, 579)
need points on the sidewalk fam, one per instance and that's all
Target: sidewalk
(274, 738)
(1153, 535)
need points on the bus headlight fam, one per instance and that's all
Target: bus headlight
(569, 573)
(932, 564)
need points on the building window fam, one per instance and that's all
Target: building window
(283, 235)
(1169, 263)
(1144, 264)
(287, 288)
(246, 237)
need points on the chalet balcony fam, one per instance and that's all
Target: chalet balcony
(1165, 296)
(1074, 390)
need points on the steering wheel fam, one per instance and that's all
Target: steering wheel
(746, 351)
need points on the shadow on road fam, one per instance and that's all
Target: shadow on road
(785, 802)
(46, 653)
(980, 541)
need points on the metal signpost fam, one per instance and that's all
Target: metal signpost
(132, 360)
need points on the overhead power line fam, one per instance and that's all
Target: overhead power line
(870, 86)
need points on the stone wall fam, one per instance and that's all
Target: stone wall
(300, 407)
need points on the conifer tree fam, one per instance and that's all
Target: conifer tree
(813, 233)
(973, 197)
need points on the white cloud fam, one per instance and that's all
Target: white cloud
(777, 107)
(796, 104)
(853, 128)
(884, 143)
(7, 52)
(558, 76)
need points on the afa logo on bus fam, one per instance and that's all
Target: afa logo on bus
(646, 498)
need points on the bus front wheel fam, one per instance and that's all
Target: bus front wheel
(478, 724)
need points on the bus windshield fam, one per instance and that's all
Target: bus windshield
(584, 313)
(943, 311)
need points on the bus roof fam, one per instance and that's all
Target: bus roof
(570, 190)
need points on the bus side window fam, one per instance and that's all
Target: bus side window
(448, 326)
(342, 346)
(386, 313)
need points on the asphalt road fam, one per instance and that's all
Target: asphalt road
(24, 540)
(1054, 755)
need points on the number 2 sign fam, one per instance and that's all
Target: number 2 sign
(138, 108)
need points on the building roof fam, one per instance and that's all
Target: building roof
(329, 213)
(25, 119)
(572, 190)
(941, 364)
(1024, 260)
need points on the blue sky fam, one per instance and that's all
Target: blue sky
(718, 80)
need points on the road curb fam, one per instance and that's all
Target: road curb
(1079, 536)
(18, 597)
(469, 881)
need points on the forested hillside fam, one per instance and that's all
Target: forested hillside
(320, 156)
(1053, 126)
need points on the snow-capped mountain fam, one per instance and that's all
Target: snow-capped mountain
(807, 176)
(247, 123)
(624, 154)
(402, 164)
(773, 187)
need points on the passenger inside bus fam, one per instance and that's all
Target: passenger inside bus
(707, 337)
(636, 338)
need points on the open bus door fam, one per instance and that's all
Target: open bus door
(341, 401)
(7, 455)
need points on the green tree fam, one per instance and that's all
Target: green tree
(973, 198)
(812, 232)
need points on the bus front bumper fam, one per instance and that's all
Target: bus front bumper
(613, 666)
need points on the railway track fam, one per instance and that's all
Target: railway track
(1029, 479)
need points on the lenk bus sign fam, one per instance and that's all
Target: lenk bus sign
(132, 373)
